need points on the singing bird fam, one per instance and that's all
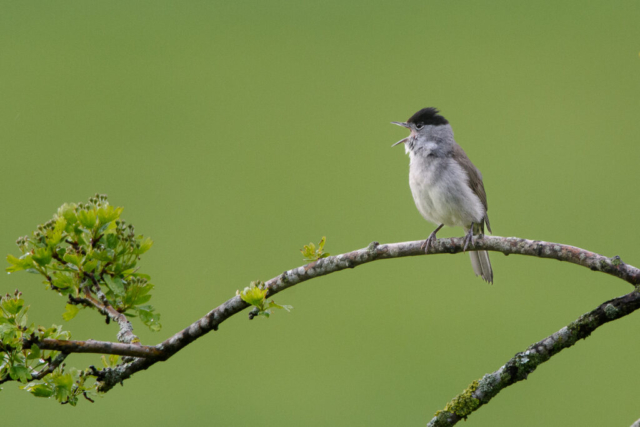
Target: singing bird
(447, 188)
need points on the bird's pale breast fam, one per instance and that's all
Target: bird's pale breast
(442, 194)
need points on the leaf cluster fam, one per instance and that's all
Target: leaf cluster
(310, 253)
(86, 249)
(255, 294)
(87, 253)
(22, 364)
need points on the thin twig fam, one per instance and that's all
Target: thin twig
(51, 366)
(98, 290)
(126, 334)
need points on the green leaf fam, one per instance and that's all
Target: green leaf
(63, 384)
(80, 236)
(253, 295)
(42, 256)
(321, 244)
(87, 218)
(63, 281)
(110, 361)
(13, 261)
(90, 265)
(145, 245)
(115, 284)
(19, 372)
(108, 213)
(75, 259)
(108, 227)
(9, 332)
(63, 380)
(68, 212)
(55, 235)
(120, 268)
(55, 332)
(70, 312)
(105, 256)
(17, 264)
(149, 317)
(12, 305)
(141, 299)
(39, 389)
(272, 304)
(35, 352)
(311, 253)
(21, 317)
(308, 251)
(111, 241)
(137, 294)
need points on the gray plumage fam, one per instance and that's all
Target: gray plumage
(447, 188)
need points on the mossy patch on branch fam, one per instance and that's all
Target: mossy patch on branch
(464, 403)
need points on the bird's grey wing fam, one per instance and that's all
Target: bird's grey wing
(475, 179)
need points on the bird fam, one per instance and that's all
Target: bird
(446, 186)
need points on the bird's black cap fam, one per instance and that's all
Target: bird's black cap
(428, 116)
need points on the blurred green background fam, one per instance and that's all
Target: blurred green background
(235, 132)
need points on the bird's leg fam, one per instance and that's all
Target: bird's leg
(430, 239)
(468, 238)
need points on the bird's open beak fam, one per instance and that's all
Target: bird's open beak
(404, 125)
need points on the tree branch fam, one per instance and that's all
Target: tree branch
(51, 366)
(507, 245)
(480, 392)
(126, 334)
(100, 347)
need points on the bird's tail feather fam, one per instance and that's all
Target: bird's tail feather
(482, 265)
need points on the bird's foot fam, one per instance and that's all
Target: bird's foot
(428, 242)
(468, 239)
(430, 239)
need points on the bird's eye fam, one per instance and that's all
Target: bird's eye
(419, 126)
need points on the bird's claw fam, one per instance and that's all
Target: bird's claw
(468, 239)
(428, 242)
